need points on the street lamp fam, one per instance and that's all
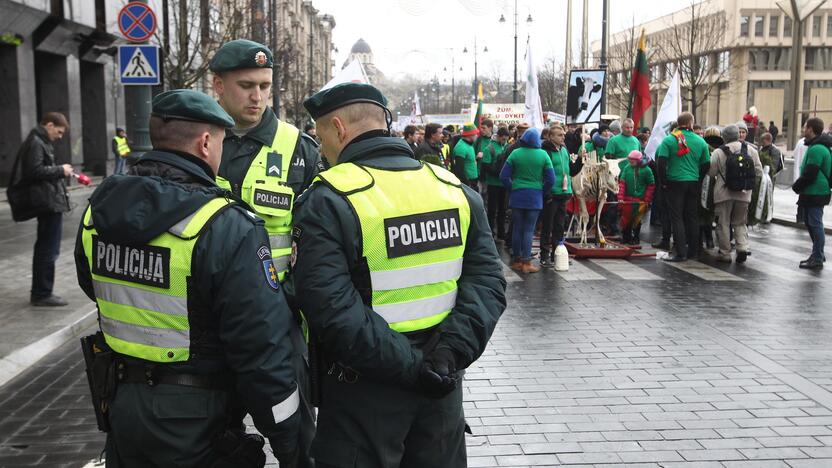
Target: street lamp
(465, 51)
(516, 20)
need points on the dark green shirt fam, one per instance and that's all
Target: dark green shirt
(684, 168)
(490, 156)
(620, 146)
(560, 164)
(818, 155)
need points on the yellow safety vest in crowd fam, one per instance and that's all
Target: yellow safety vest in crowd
(122, 147)
(266, 190)
(142, 291)
(414, 244)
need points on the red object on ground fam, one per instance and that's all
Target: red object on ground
(612, 250)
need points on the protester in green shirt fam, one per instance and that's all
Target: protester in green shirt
(683, 159)
(496, 197)
(554, 203)
(465, 159)
(486, 129)
(620, 146)
(636, 186)
(528, 172)
(813, 188)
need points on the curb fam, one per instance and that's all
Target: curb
(23, 358)
(794, 224)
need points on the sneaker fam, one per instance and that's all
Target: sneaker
(547, 263)
(741, 257)
(726, 258)
(662, 245)
(675, 259)
(49, 301)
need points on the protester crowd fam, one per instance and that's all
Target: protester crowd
(703, 188)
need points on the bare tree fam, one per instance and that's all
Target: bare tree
(200, 28)
(550, 85)
(694, 46)
(620, 65)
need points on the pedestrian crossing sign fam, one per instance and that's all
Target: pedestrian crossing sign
(138, 64)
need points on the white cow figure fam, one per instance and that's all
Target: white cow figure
(593, 183)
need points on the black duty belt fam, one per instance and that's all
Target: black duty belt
(155, 375)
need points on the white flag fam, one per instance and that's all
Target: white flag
(670, 110)
(352, 73)
(534, 111)
(415, 110)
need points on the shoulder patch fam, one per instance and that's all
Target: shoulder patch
(263, 252)
(271, 273)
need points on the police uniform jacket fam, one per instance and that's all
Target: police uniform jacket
(329, 251)
(239, 320)
(239, 152)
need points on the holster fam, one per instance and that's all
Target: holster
(101, 365)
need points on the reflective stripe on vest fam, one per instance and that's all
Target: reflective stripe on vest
(414, 244)
(266, 190)
(121, 146)
(142, 291)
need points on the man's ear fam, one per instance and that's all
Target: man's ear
(218, 84)
(339, 126)
(204, 145)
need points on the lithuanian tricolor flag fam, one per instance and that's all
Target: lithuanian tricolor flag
(640, 83)
(478, 117)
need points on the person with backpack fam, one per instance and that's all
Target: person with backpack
(735, 168)
(492, 164)
(813, 188)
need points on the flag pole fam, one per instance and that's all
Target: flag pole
(635, 61)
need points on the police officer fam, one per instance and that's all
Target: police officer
(267, 163)
(264, 160)
(188, 298)
(400, 281)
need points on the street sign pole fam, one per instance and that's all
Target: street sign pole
(137, 98)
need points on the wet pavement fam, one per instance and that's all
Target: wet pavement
(613, 363)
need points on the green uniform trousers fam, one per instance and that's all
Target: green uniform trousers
(368, 424)
(164, 426)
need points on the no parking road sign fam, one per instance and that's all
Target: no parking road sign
(137, 22)
(138, 64)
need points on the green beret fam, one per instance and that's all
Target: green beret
(325, 101)
(190, 105)
(241, 54)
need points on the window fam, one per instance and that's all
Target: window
(758, 25)
(724, 61)
(816, 22)
(774, 25)
(818, 58)
(744, 26)
(787, 26)
(769, 59)
(705, 65)
(828, 25)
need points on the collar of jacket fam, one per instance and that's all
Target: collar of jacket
(186, 162)
(822, 139)
(374, 147)
(40, 132)
(264, 131)
(549, 146)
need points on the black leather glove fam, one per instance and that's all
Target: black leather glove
(239, 450)
(288, 459)
(437, 377)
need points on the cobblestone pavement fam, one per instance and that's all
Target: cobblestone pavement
(613, 363)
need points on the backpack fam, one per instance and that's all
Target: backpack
(739, 169)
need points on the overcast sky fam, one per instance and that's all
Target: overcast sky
(415, 36)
